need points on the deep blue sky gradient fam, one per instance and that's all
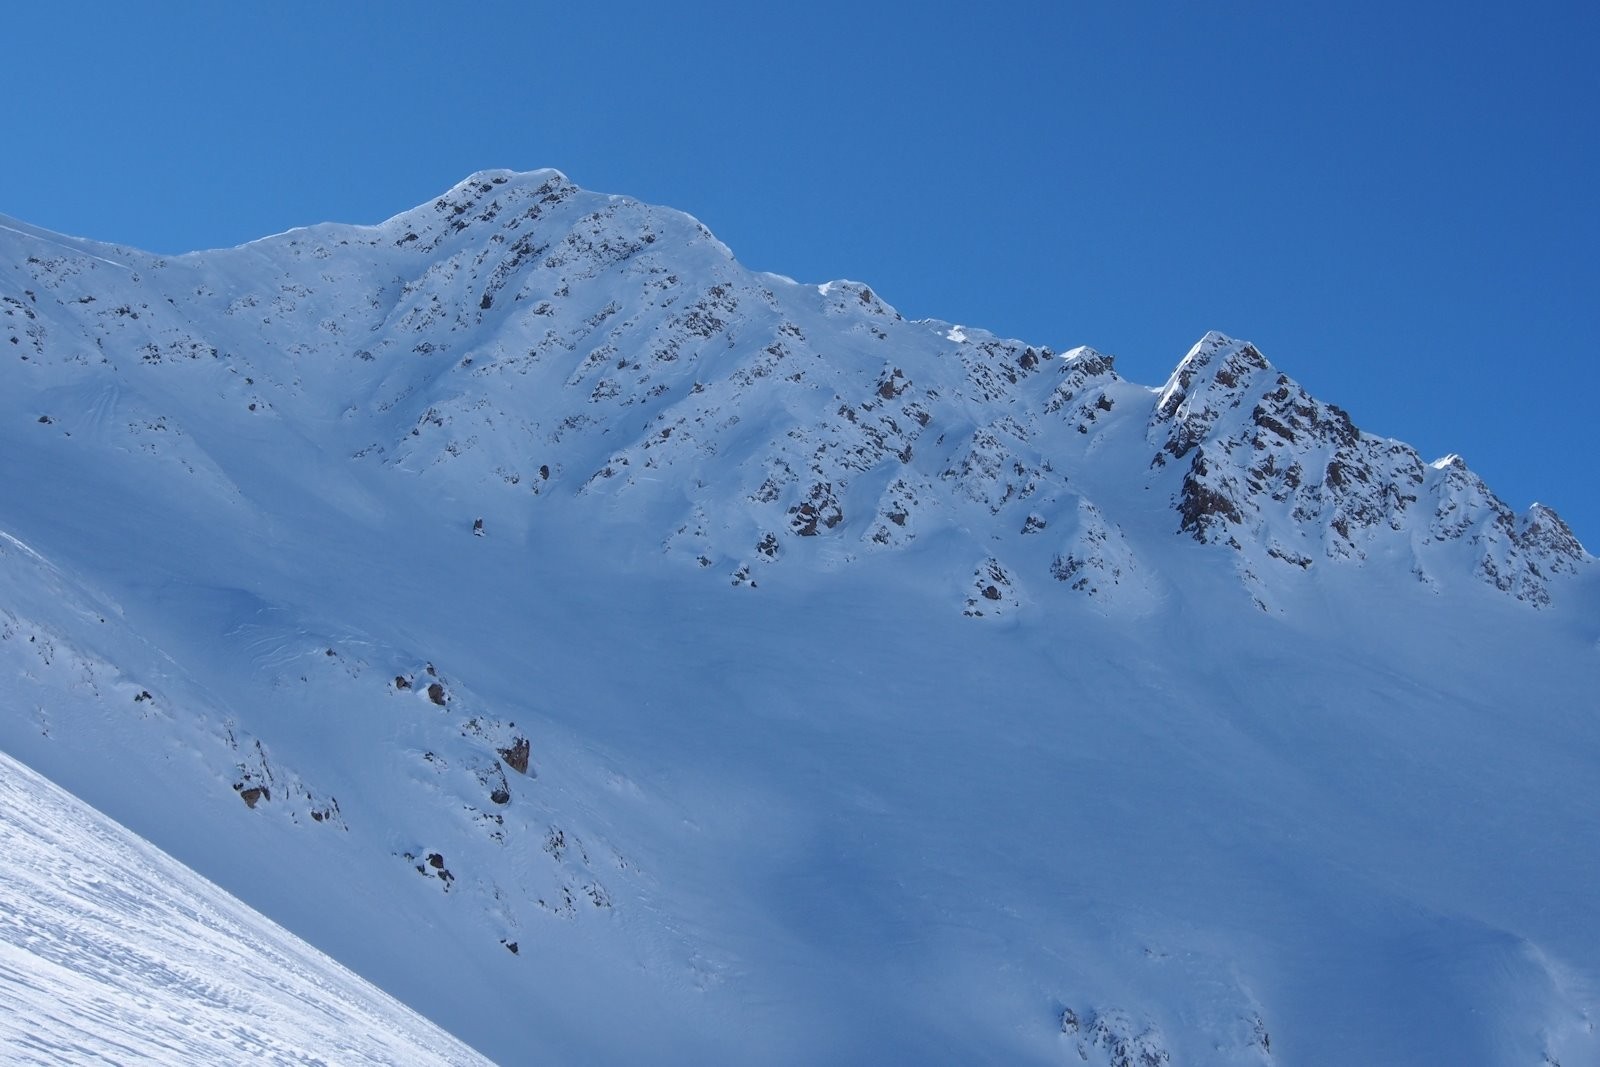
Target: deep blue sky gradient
(1397, 203)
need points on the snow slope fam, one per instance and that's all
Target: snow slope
(112, 952)
(704, 667)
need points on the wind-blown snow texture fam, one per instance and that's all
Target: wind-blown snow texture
(701, 666)
(112, 952)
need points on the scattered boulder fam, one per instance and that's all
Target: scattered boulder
(991, 582)
(432, 865)
(252, 795)
(819, 509)
(516, 757)
(1114, 1038)
(437, 694)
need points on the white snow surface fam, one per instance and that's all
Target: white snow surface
(113, 952)
(819, 686)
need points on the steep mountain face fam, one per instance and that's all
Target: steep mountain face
(665, 641)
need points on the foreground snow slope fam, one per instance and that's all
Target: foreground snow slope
(111, 951)
(819, 687)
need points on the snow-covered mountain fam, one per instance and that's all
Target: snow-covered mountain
(618, 654)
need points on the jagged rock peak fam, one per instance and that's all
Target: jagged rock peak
(1212, 378)
(1215, 359)
(1268, 467)
(1544, 532)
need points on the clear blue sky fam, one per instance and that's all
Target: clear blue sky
(1397, 202)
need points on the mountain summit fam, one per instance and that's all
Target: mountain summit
(618, 654)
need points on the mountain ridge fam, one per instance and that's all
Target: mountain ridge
(703, 666)
(526, 240)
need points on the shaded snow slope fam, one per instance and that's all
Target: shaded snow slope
(110, 951)
(697, 666)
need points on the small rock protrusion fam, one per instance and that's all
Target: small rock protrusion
(516, 757)
(253, 795)
(400, 682)
(437, 694)
(433, 863)
(477, 527)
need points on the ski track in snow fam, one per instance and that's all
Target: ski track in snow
(50, 239)
(112, 952)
